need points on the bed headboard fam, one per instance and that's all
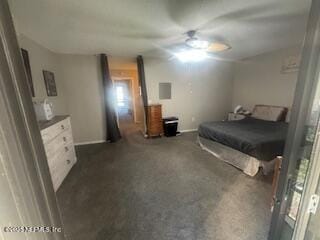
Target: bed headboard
(269, 113)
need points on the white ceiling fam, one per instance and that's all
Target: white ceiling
(149, 27)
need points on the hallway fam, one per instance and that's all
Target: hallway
(161, 189)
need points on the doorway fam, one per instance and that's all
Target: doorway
(127, 109)
(124, 103)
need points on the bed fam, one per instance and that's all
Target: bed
(250, 143)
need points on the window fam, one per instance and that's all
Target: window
(120, 96)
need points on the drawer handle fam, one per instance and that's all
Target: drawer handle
(66, 149)
(64, 139)
(62, 127)
(68, 161)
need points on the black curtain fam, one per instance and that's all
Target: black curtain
(113, 132)
(142, 81)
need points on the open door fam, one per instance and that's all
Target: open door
(297, 192)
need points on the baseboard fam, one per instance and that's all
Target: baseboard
(89, 142)
(189, 130)
(102, 141)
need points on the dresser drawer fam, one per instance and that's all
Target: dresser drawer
(155, 128)
(61, 165)
(155, 124)
(58, 143)
(59, 176)
(155, 132)
(155, 117)
(51, 132)
(154, 109)
(62, 162)
(62, 151)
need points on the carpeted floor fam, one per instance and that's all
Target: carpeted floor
(161, 189)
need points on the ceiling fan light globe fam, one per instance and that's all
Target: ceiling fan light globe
(193, 55)
(197, 44)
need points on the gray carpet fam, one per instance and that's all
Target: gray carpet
(161, 189)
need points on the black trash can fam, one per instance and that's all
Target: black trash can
(170, 126)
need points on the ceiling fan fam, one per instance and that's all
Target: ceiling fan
(196, 43)
(195, 49)
(204, 34)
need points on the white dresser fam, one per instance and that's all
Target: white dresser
(58, 143)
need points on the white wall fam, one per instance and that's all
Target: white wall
(200, 91)
(79, 86)
(84, 96)
(258, 80)
(43, 59)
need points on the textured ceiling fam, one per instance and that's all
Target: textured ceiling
(150, 27)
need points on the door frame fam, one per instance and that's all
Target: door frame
(312, 180)
(304, 93)
(24, 168)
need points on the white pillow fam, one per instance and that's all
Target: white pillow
(269, 113)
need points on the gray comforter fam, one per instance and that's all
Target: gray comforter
(261, 139)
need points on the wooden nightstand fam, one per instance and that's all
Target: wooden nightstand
(235, 116)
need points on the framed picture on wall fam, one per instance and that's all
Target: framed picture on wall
(50, 83)
(26, 63)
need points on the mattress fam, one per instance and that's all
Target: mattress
(261, 139)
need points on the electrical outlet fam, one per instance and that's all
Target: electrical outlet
(193, 119)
